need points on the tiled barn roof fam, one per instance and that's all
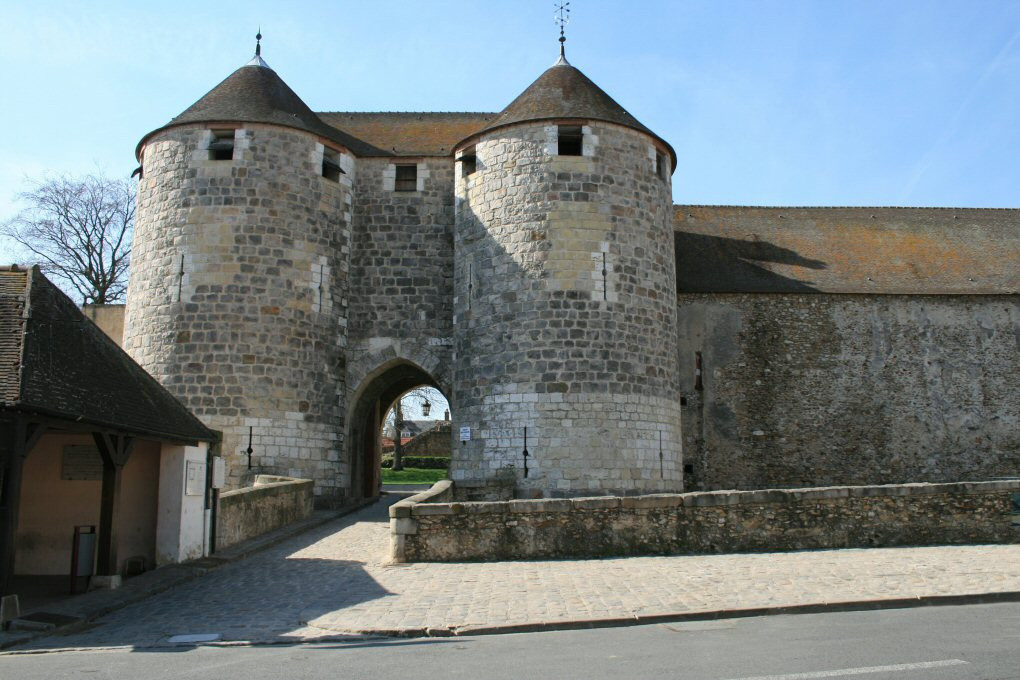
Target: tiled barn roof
(408, 134)
(69, 369)
(937, 251)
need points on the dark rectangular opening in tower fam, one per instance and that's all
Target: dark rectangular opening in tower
(407, 178)
(570, 140)
(221, 147)
(331, 169)
(468, 162)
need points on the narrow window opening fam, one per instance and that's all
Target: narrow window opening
(331, 169)
(661, 166)
(221, 147)
(407, 178)
(570, 140)
(468, 162)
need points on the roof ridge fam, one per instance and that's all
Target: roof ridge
(420, 113)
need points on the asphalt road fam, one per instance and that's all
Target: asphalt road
(969, 642)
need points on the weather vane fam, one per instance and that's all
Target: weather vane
(562, 17)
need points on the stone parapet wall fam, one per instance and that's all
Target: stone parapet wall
(273, 502)
(427, 529)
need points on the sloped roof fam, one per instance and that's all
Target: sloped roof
(254, 93)
(13, 283)
(563, 92)
(937, 251)
(61, 365)
(408, 133)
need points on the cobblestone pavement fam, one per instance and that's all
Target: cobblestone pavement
(335, 579)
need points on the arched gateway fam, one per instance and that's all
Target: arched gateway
(369, 404)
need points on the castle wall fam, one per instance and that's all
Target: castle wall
(401, 284)
(252, 333)
(544, 340)
(820, 389)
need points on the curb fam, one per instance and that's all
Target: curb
(192, 570)
(679, 617)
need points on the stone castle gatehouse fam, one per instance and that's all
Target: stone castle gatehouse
(294, 272)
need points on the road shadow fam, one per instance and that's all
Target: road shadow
(263, 597)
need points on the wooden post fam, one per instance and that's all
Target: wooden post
(17, 437)
(115, 450)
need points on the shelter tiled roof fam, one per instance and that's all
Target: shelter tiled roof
(13, 285)
(563, 92)
(921, 251)
(408, 133)
(254, 93)
(71, 370)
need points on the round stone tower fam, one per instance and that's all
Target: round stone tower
(565, 308)
(237, 296)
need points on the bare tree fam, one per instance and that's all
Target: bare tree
(80, 231)
(395, 418)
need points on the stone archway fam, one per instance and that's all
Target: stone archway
(370, 402)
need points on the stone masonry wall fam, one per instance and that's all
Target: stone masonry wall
(544, 340)
(252, 333)
(817, 389)
(273, 502)
(429, 529)
(402, 271)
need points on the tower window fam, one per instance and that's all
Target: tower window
(221, 147)
(660, 165)
(468, 162)
(407, 178)
(570, 140)
(331, 169)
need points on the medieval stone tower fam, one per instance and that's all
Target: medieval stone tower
(238, 285)
(565, 314)
(293, 272)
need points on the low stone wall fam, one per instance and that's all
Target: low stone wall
(428, 528)
(271, 503)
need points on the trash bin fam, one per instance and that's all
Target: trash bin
(83, 555)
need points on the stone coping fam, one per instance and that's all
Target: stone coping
(438, 493)
(267, 485)
(430, 503)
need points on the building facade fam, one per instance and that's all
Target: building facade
(294, 272)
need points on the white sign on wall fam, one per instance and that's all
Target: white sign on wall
(465, 434)
(194, 482)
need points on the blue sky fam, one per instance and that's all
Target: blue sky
(792, 102)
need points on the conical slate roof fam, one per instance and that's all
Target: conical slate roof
(254, 93)
(564, 92)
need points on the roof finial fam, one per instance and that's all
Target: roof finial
(258, 43)
(562, 17)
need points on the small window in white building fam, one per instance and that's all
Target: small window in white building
(570, 140)
(221, 147)
(331, 169)
(407, 178)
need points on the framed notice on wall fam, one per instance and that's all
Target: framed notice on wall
(194, 480)
(81, 462)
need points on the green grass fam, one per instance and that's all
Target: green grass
(412, 476)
